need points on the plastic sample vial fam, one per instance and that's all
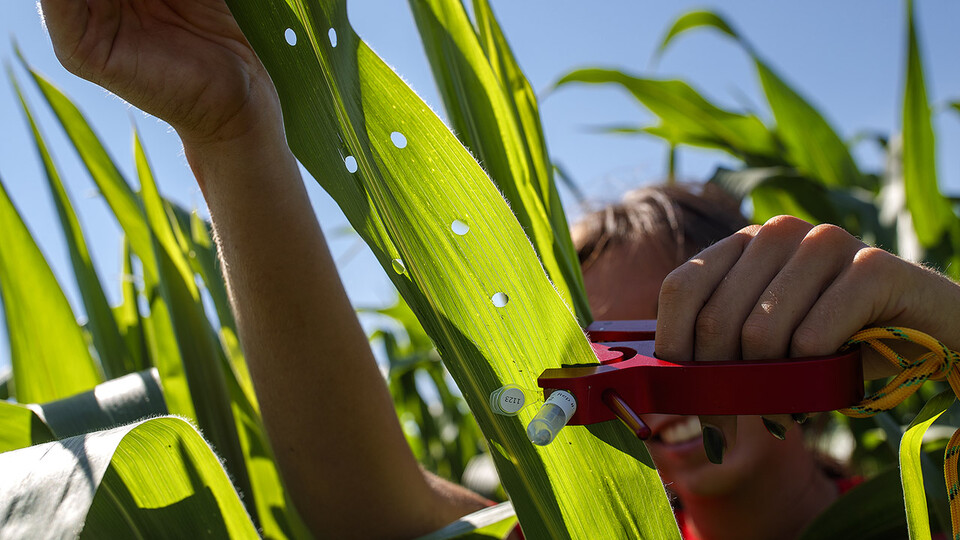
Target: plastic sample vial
(508, 400)
(552, 416)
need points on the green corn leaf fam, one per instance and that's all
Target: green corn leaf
(956, 106)
(930, 210)
(21, 427)
(114, 358)
(911, 472)
(872, 510)
(492, 523)
(687, 117)
(494, 111)
(113, 403)
(5, 377)
(523, 100)
(49, 352)
(813, 146)
(130, 321)
(413, 181)
(128, 209)
(124, 203)
(153, 479)
(778, 190)
(691, 20)
(200, 353)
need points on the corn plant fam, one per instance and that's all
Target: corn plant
(799, 165)
(499, 305)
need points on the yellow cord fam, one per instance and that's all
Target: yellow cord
(938, 363)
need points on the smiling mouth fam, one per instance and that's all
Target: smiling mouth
(680, 432)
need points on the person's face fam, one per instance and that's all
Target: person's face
(624, 283)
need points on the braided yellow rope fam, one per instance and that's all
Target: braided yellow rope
(938, 363)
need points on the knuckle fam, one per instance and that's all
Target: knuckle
(827, 236)
(783, 228)
(870, 261)
(786, 222)
(806, 341)
(710, 323)
(675, 284)
(757, 334)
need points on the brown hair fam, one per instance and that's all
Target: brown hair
(683, 219)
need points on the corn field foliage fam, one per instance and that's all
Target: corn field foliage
(99, 431)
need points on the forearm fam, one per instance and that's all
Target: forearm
(323, 399)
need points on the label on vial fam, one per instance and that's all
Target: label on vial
(511, 400)
(564, 400)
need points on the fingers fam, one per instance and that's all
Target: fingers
(866, 292)
(822, 254)
(685, 291)
(720, 323)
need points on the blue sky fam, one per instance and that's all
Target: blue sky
(847, 57)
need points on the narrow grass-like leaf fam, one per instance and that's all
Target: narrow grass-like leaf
(691, 20)
(154, 479)
(523, 100)
(49, 353)
(686, 117)
(6, 376)
(930, 210)
(113, 354)
(124, 203)
(201, 361)
(779, 190)
(130, 321)
(493, 110)
(911, 473)
(560, 173)
(414, 181)
(21, 427)
(128, 210)
(813, 146)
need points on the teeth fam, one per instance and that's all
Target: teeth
(682, 431)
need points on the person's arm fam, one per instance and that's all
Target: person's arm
(791, 289)
(325, 405)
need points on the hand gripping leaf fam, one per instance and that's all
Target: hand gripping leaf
(412, 180)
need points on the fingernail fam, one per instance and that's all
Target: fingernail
(799, 417)
(775, 429)
(714, 444)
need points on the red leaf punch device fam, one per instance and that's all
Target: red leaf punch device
(630, 381)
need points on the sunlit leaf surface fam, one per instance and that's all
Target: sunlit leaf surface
(443, 232)
(154, 479)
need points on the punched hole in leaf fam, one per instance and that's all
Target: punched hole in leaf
(459, 227)
(290, 36)
(332, 34)
(499, 299)
(398, 139)
(351, 163)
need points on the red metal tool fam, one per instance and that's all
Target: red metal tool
(629, 381)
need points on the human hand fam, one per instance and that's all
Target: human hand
(185, 61)
(789, 289)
